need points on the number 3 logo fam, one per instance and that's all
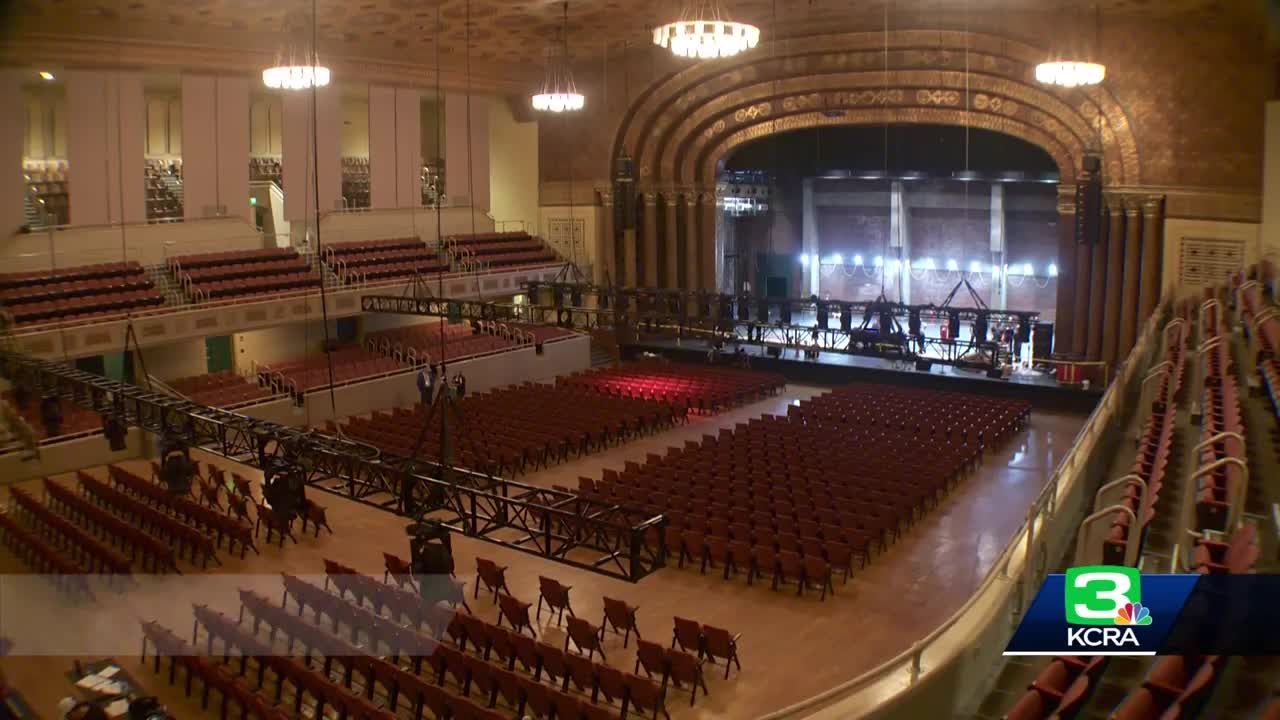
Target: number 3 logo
(1095, 594)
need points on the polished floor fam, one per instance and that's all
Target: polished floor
(791, 647)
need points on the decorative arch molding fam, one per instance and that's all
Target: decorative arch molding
(709, 156)
(678, 117)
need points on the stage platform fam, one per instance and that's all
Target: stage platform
(831, 368)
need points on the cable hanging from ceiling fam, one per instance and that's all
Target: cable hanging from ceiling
(559, 93)
(704, 31)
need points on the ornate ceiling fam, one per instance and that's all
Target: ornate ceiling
(514, 33)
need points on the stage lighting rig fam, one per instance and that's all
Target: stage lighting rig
(431, 557)
(177, 469)
(284, 487)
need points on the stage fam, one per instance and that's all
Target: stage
(834, 368)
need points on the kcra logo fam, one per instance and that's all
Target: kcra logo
(1107, 601)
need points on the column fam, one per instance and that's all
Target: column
(1065, 309)
(395, 147)
(809, 239)
(899, 242)
(1132, 274)
(630, 251)
(650, 199)
(466, 151)
(105, 134)
(707, 239)
(13, 185)
(215, 154)
(1115, 278)
(691, 239)
(606, 270)
(999, 287)
(309, 153)
(671, 238)
(1152, 246)
(1097, 292)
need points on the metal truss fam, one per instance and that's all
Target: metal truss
(559, 526)
(837, 325)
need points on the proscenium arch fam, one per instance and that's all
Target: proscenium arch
(675, 120)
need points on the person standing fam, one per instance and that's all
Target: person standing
(426, 383)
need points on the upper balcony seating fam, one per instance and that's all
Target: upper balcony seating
(77, 292)
(75, 419)
(1220, 473)
(220, 389)
(695, 387)
(243, 273)
(349, 363)
(383, 259)
(501, 249)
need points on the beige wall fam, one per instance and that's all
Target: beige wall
(513, 167)
(45, 137)
(147, 243)
(1271, 184)
(266, 123)
(355, 127)
(176, 360)
(277, 344)
(588, 214)
(1176, 230)
(164, 125)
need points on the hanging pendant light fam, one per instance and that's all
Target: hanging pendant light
(1069, 73)
(559, 93)
(705, 33)
(297, 69)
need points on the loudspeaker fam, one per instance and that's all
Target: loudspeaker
(924, 365)
(773, 351)
(1091, 163)
(1043, 345)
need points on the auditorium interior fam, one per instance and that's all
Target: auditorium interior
(778, 350)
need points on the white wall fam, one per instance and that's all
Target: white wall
(588, 214)
(513, 167)
(176, 360)
(147, 243)
(466, 154)
(419, 222)
(105, 133)
(395, 153)
(299, 167)
(266, 125)
(69, 456)
(215, 164)
(355, 127)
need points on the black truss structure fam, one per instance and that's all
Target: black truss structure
(839, 325)
(560, 526)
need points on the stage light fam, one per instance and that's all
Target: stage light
(928, 264)
(837, 259)
(895, 265)
(995, 271)
(1053, 270)
(177, 469)
(975, 266)
(46, 75)
(857, 260)
(804, 259)
(878, 262)
(1028, 270)
(953, 266)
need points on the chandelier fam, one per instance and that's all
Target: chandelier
(1069, 73)
(559, 93)
(295, 77)
(704, 32)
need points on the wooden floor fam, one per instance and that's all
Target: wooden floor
(791, 647)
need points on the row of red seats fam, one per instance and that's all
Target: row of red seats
(1137, 499)
(1260, 319)
(220, 389)
(148, 518)
(312, 371)
(1060, 690)
(696, 387)
(209, 273)
(490, 238)
(459, 341)
(383, 269)
(344, 249)
(133, 279)
(1175, 687)
(9, 281)
(221, 525)
(95, 555)
(165, 643)
(256, 286)
(68, 575)
(230, 257)
(1221, 467)
(528, 257)
(87, 306)
(509, 430)
(111, 528)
